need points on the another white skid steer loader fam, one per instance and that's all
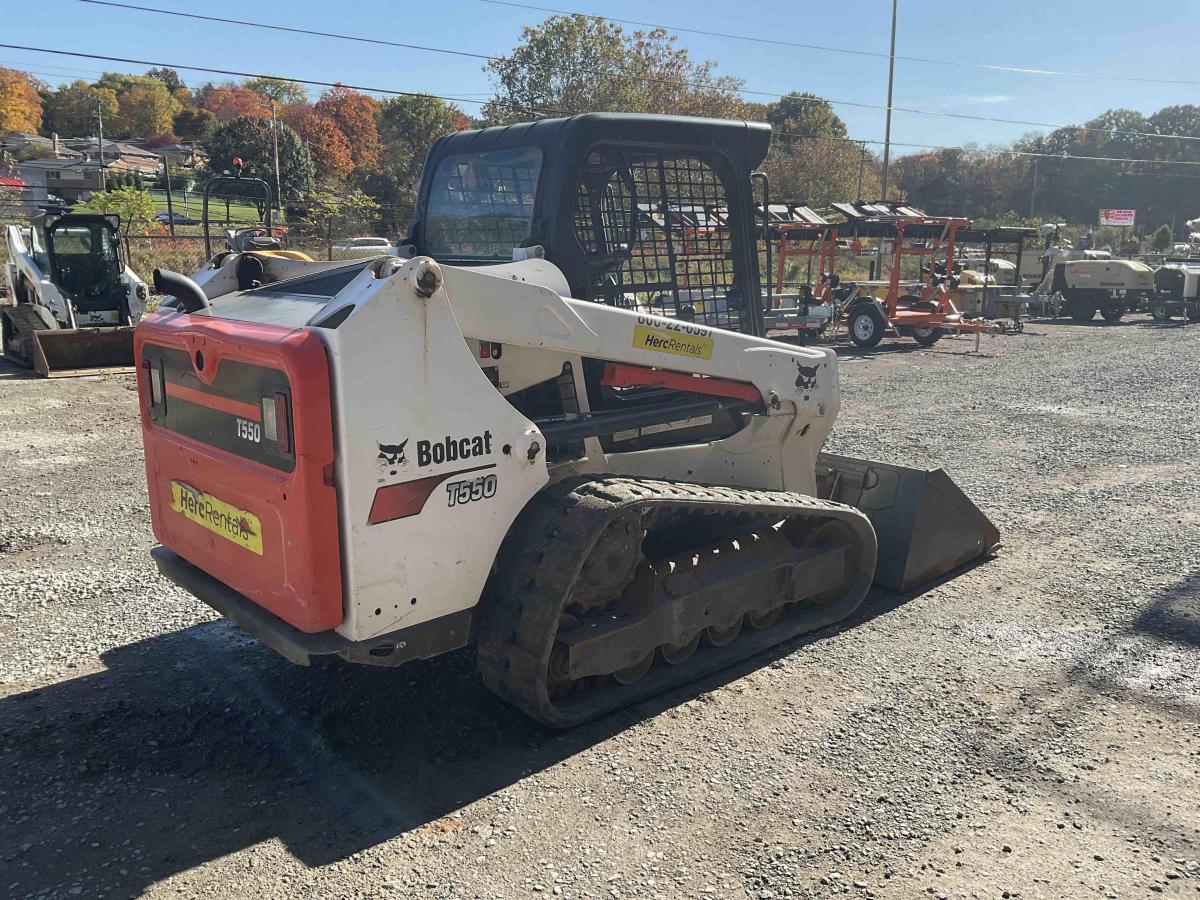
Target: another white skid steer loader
(553, 430)
(73, 301)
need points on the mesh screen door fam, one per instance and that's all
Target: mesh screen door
(655, 229)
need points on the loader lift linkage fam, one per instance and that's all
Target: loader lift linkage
(552, 428)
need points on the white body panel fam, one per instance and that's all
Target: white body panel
(404, 377)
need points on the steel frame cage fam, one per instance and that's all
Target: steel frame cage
(732, 149)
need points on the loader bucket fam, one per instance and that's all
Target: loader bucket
(925, 524)
(82, 351)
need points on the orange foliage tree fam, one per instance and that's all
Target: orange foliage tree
(229, 102)
(20, 105)
(331, 151)
(354, 114)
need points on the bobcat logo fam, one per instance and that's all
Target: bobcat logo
(393, 454)
(806, 378)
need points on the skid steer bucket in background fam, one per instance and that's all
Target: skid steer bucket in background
(64, 352)
(927, 527)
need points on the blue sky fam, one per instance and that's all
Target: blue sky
(1151, 39)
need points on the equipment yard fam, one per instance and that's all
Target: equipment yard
(1028, 729)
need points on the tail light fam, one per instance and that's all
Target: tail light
(276, 420)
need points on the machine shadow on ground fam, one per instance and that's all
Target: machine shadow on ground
(197, 744)
(1175, 615)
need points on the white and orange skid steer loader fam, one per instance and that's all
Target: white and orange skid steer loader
(549, 428)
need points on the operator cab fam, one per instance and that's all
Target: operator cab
(649, 213)
(84, 256)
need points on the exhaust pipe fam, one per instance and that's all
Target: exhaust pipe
(189, 296)
(927, 527)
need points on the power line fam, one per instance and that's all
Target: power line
(647, 78)
(1021, 70)
(237, 74)
(266, 77)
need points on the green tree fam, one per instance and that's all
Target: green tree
(575, 63)
(803, 115)
(146, 110)
(169, 77)
(1162, 238)
(332, 213)
(408, 126)
(134, 205)
(194, 124)
(70, 110)
(282, 90)
(249, 138)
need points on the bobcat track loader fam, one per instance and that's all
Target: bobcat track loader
(72, 300)
(529, 433)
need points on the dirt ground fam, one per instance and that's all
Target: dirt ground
(1029, 729)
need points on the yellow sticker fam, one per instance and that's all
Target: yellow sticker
(217, 516)
(679, 344)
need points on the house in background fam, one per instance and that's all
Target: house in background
(183, 156)
(131, 157)
(24, 144)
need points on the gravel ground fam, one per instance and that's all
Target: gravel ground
(1028, 729)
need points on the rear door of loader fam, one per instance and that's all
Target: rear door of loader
(237, 426)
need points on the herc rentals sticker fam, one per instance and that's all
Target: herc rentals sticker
(674, 337)
(231, 523)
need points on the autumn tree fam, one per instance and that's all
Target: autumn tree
(230, 102)
(249, 138)
(282, 90)
(20, 104)
(575, 63)
(71, 109)
(331, 152)
(354, 114)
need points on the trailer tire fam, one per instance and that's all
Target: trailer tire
(1112, 315)
(866, 326)
(1082, 311)
(1159, 313)
(927, 337)
(1194, 315)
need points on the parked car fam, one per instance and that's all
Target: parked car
(180, 219)
(363, 248)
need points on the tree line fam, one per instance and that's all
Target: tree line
(349, 144)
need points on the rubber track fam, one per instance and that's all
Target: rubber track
(545, 551)
(26, 321)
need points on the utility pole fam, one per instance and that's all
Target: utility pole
(862, 161)
(170, 206)
(100, 143)
(887, 129)
(275, 140)
(1033, 192)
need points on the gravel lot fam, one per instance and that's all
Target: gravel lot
(1029, 729)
